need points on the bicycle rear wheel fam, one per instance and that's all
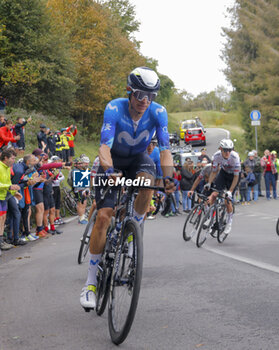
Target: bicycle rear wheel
(192, 222)
(84, 244)
(221, 236)
(204, 229)
(277, 227)
(125, 282)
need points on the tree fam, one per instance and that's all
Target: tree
(252, 56)
(36, 70)
(124, 13)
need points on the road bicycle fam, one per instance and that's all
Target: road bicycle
(194, 218)
(214, 221)
(120, 269)
(69, 201)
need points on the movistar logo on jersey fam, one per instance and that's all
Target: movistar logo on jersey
(124, 135)
(81, 178)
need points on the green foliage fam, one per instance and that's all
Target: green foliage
(252, 56)
(36, 71)
(70, 58)
(166, 90)
(219, 99)
(124, 13)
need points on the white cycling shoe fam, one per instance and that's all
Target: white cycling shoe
(228, 227)
(88, 297)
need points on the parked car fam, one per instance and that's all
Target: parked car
(195, 136)
(174, 139)
(188, 124)
(180, 157)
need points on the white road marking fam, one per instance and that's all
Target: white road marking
(248, 261)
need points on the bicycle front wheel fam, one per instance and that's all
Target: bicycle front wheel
(84, 244)
(223, 217)
(204, 229)
(277, 227)
(125, 282)
(192, 222)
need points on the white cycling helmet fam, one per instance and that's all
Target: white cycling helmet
(55, 159)
(144, 78)
(84, 159)
(226, 143)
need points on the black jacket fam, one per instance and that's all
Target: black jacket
(187, 180)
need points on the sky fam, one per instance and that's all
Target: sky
(185, 38)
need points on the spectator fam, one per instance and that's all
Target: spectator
(6, 135)
(251, 185)
(276, 163)
(154, 154)
(42, 139)
(258, 171)
(204, 155)
(49, 204)
(19, 130)
(65, 147)
(269, 171)
(81, 193)
(51, 142)
(243, 188)
(59, 177)
(187, 180)
(7, 160)
(58, 145)
(2, 120)
(71, 136)
(38, 196)
(250, 161)
(176, 194)
(26, 176)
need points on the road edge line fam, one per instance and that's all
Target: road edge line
(248, 261)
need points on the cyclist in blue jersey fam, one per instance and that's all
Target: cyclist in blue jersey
(128, 126)
(154, 153)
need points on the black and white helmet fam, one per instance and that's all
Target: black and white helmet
(226, 143)
(55, 159)
(143, 78)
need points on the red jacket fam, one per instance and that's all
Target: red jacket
(72, 136)
(6, 136)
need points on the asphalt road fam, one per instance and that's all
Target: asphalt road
(220, 297)
(190, 298)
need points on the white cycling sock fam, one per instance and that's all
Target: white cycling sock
(138, 217)
(230, 216)
(92, 269)
(82, 217)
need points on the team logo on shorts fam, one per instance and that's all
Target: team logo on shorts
(81, 178)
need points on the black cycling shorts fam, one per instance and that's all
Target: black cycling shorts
(38, 195)
(49, 201)
(224, 180)
(57, 197)
(130, 166)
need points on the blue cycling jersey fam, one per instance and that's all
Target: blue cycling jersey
(118, 128)
(155, 156)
